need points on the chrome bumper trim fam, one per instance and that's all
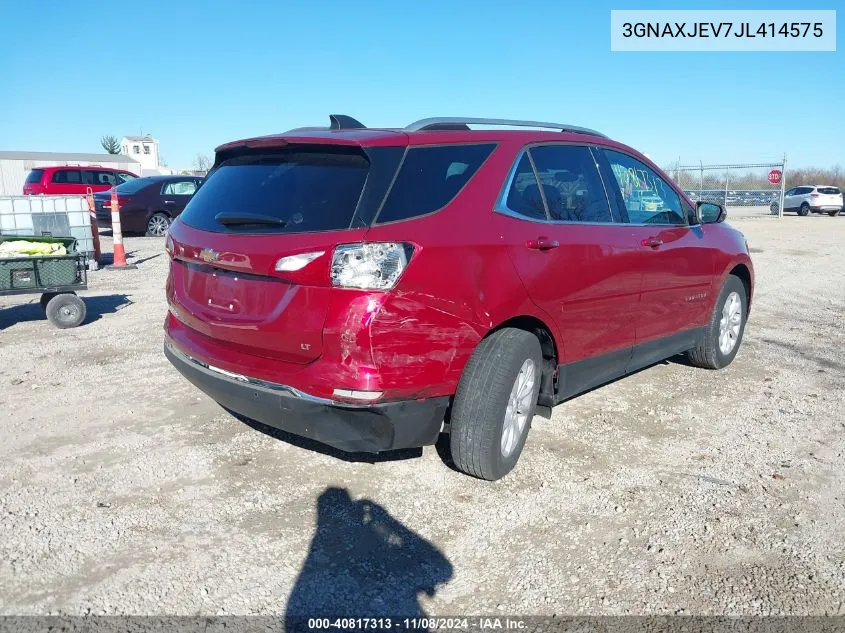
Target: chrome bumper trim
(287, 390)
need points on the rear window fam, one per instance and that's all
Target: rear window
(430, 178)
(34, 176)
(825, 190)
(133, 186)
(305, 190)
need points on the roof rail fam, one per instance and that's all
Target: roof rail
(337, 122)
(460, 123)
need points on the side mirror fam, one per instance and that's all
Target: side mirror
(710, 212)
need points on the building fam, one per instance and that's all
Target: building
(143, 149)
(15, 166)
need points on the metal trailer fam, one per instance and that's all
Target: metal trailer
(57, 278)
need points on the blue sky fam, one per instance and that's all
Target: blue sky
(198, 74)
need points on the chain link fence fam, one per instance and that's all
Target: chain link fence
(748, 190)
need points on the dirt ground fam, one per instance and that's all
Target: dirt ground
(124, 490)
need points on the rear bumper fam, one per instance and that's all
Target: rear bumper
(369, 429)
(825, 208)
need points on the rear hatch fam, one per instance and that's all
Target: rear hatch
(32, 186)
(828, 197)
(259, 205)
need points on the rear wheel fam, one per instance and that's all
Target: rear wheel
(774, 208)
(495, 403)
(723, 334)
(804, 211)
(158, 224)
(833, 214)
(66, 310)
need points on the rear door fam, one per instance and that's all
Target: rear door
(255, 208)
(575, 260)
(829, 198)
(175, 194)
(675, 258)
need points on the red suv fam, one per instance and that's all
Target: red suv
(373, 288)
(70, 181)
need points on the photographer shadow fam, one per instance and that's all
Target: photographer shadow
(363, 563)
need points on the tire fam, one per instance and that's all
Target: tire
(833, 214)
(774, 208)
(708, 353)
(45, 299)
(158, 224)
(66, 310)
(481, 404)
(804, 211)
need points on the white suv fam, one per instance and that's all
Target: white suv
(815, 199)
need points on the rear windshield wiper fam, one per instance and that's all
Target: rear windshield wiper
(234, 218)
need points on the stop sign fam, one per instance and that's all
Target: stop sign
(774, 176)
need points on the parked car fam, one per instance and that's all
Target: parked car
(147, 205)
(808, 199)
(373, 288)
(73, 180)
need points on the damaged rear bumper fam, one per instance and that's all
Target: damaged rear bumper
(353, 428)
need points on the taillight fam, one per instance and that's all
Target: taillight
(814, 195)
(371, 265)
(168, 245)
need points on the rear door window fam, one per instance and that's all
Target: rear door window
(301, 190)
(68, 176)
(571, 184)
(524, 192)
(430, 178)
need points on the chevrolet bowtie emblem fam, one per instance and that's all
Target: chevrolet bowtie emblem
(209, 255)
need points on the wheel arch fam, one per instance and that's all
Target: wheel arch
(549, 347)
(743, 272)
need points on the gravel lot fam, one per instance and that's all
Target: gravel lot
(124, 490)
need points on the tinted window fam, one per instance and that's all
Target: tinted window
(647, 197)
(803, 190)
(524, 193)
(430, 177)
(571, 184)
(69, 176)
(97, 177)
(179, 188)
(828, 190)
(308, 191)
(35, 176)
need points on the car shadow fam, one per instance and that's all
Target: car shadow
(323, 449)
(363, 563)
(96, 307)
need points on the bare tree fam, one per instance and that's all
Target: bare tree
(202, 162)
(110, 144)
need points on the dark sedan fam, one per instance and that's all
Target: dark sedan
(147, 205)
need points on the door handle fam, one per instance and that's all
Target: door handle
(542, 244)
(169, 202)
(652, 242)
